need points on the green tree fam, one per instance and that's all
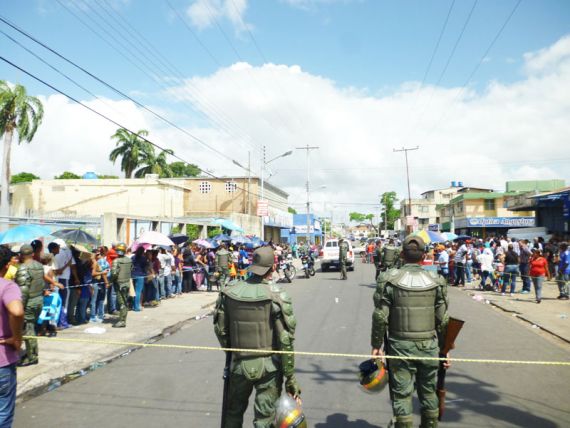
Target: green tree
(214, 231)
(193, 231)
(104, 176)
(388, 201)
(153, 164)
(67, 175)
(361, 218)
(292, 210)
(19, 113)
(23, 177)
(130, 148)
(181, 169)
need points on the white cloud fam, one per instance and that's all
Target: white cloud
(204, 13)
(483, 139)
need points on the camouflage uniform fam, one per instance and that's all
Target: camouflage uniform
(411, 306)
(255, 314)
(223, 258)
(343, 255)
(30, 278)
(121, 281)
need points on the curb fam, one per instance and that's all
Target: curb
(521, 317)
(120, 352)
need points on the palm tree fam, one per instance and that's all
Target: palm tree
(21, 113)
(130, 148)
(155, 164)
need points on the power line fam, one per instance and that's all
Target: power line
(107, 118)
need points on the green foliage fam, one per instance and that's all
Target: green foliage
(103, 176)
(214, 231)
(23, 177)
(67, 175)
(359, 217)
(193, 231)
(292, 210)
(19, 112)
(388, 200)
(130, 148)
(153, 164)
(181, 169)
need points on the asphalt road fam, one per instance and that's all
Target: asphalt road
(167, 388)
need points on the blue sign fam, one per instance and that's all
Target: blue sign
(566, 207)
(498, 222)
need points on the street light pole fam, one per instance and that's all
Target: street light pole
(308, 149)
(406, 150)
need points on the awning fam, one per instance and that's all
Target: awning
(228, 224)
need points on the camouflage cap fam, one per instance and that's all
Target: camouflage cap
(26, 250)
(263, 260)
(412, 243)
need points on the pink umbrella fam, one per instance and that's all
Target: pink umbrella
(136, 245)
(155, 238)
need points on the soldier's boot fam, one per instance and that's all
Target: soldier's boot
(120, 324)
(404, 421)
(31, 351)
(429, 419)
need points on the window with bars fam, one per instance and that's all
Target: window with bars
(205, 187)
(231, 186)
(489, 204)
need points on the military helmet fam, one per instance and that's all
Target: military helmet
(288, 413)
(373, 378)
(121, 249)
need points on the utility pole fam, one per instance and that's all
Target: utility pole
(308, 149)
(263, 162)
(249, 182)
(406, 150)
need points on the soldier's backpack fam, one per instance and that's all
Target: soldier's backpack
(389, 256)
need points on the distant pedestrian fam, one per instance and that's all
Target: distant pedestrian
(538, 272)
(524, 259)
(563, 276)
(511, 270)
(485, 260)
(11, 324)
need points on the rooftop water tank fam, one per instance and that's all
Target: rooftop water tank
(454, 184)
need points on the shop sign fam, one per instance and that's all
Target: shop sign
(500, 222)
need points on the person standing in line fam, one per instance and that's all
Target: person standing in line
(30, 279)
(443, 262)
(189, 263)
(343, 256)
(459, 259)
(166, 262)
(66, 272)
(11, 325)
(257, 314)
(524, 259)
(485, 260)
(511, 270)
(139, 274)
(121, 280)
(538, 272)
(99, 286)
(563, 276)
(110, 291)
(410, 310)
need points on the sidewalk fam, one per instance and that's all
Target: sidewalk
(61, 359)
(552, 315)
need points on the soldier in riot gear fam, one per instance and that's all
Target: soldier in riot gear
(121, 281)
(257, 314)
(411, 307)
(30, 278)
(377, 257)
(390, 256)
(343, 256)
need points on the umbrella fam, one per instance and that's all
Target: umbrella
(178, 238)
(462, 237)
(24, 233)
(429, 236)
(240, 240)
(155, 238)
(449, 236)
(222, 237)
(203, 243)
(75, 235)
(213, 243)
(136, 245)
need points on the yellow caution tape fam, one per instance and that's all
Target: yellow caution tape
(299, 353)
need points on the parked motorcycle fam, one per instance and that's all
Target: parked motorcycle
(308, 265)
(289, 271)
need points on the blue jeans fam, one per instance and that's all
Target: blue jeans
(484, 275)
(97, 300)
(510, 276)
(139, 284)
(524, 270)
(167, 281)
(537, 281)
(82, 310)
(7, 394)
(161, 284)
(469, 270)
(176, 282)
(562, 280)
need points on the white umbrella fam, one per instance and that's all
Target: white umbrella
(155, 238)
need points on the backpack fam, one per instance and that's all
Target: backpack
(389, 256)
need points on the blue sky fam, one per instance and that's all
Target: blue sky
(371, 45)
(345, 83)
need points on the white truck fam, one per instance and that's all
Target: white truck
(330, 255)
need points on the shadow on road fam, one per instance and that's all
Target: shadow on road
(483, 398)
(339, 420)
(321, 376)
(368, 285)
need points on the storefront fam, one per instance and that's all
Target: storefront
(298, 233)
(483, 227)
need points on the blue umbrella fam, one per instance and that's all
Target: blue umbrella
(240, 240)
(213, 243)
(24, 233)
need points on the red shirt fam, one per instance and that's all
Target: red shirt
(538, 266)
(111, 255)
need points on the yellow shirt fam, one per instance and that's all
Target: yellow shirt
(11, 273)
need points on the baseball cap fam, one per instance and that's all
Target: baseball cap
(26, 250)
(263, 260)
(412, 243)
